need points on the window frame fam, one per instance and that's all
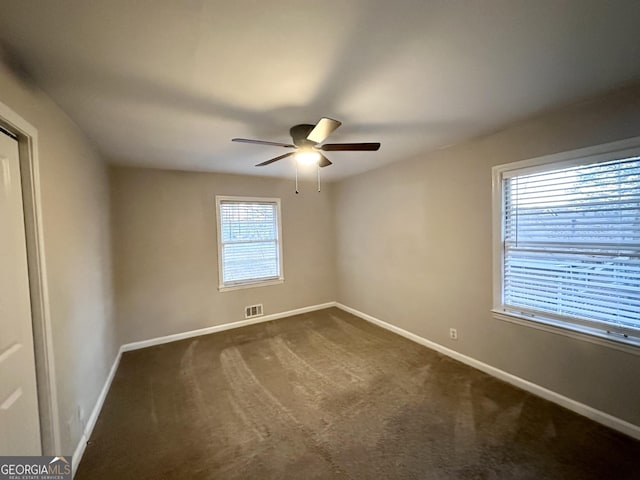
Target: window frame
(249, 283)
(584, 156)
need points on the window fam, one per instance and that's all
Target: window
(249, 242)
(567, 234)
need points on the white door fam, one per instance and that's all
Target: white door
(19, 422)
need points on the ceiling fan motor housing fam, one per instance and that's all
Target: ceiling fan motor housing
(299, 135)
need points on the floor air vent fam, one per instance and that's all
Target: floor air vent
(253, 311)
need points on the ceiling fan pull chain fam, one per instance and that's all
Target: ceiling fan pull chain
(318, 169)
(297, 192)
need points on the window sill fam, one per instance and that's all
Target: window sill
(586, 334)
(241, 286)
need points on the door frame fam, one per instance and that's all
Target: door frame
(38, 287)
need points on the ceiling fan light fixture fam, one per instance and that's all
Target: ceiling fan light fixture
(307, 157)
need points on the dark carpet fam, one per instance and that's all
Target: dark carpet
(326, 395)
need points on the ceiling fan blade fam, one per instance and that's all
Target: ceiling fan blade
(275, 159)
(337, 147)
(262, 142)
(324, 161)
(323, 129)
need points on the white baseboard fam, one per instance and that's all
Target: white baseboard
(219, 328)
(91, 422)
(573, 405)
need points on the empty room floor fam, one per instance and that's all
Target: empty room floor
(327, 395)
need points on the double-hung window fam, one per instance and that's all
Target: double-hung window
(249, 242)
(567, 241)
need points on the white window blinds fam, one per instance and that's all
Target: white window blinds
(571, 245)
(249, 241)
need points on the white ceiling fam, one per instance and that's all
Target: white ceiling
(168, 83)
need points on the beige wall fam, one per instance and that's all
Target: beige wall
(75, 199)
(165, 250)
(414, 249)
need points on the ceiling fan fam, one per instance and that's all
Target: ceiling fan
(307, 141)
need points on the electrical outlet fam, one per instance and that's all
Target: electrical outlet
(453, 334)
